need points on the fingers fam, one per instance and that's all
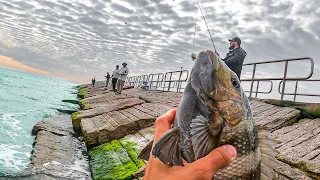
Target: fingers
(216, 159)
(163, 123)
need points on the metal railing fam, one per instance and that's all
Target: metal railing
(155, 81)
(176, 83)
(170, 81)
(295, 93)
(174, 80)
(261, 92)
(282, 79)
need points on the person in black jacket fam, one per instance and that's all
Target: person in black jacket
(108, 78)
(235, 56)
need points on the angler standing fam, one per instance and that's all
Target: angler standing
(124, 71)
(108, 78)
(235, 56)
(115, 75)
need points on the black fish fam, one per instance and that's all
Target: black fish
(213, 111)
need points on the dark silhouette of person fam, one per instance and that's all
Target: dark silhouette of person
(108, 78)
(93, 81)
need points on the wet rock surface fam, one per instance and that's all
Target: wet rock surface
(38, 176)
(58, 154)
(58, 125)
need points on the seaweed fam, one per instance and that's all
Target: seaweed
(115, 160)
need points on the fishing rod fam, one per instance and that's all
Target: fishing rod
(207, 27)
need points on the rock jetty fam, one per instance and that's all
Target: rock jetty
(116, 127)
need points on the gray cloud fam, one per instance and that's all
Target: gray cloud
(121, 8)
(91, 37)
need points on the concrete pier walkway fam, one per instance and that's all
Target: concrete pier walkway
(108, 118)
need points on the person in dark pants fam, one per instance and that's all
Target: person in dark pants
(115, 76)
(93, 81)
(235, 56)
(108, 79)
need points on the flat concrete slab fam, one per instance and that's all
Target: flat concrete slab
(285, 172)
(267, 116)
(300, 145)
(159, 97)
(109, 97)
(117, 124)
(104, 109)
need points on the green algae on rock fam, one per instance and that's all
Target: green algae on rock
(83, 105)
(310, 169)
(308, 109)
(66, 111)
(81, 93)
(71, 101)
(115, 160)
(74, 117)
(133, 151)
(76, 87)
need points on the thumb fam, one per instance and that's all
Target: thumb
(217, 159)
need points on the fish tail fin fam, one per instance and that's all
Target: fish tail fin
(268, 155)
(167, 148)
(145, 152)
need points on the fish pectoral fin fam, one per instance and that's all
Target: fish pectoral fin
(202, 140)
(167, 148)
(145, 152)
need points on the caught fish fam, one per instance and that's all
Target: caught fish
(213, 111)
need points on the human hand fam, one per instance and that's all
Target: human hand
(203, 168)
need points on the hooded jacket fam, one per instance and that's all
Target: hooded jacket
(234, 60)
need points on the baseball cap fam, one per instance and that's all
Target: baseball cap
(235, 39)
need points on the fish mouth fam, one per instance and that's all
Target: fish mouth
(226, 113)
(219, 131)
(215, 62)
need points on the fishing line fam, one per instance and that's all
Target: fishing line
(207, 26)
(195, 30)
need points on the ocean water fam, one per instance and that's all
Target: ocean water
(25, 99)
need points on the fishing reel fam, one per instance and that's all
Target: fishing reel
(193, 56)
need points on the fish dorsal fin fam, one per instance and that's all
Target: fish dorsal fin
(167, 148)
(202, 141)
(268, 155)
(145, 152)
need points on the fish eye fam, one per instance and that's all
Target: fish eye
(235, 83)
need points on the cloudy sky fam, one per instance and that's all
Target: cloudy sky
(81, 39)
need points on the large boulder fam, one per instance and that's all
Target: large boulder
(117, 124)
(57, 153)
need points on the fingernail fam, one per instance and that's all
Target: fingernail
(231, 150)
